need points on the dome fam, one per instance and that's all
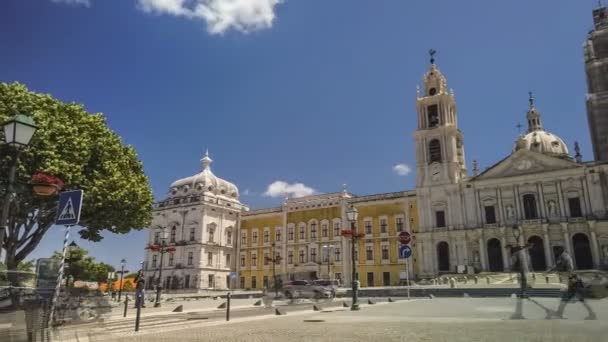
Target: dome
(543, 142)
(204, 182)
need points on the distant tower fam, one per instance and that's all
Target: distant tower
(596, 68)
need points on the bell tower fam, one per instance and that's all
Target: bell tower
(439, 143)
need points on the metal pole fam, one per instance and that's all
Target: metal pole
(122, 272)
(522, 273)
(8, 196)
(160, 276)
(138, 303)
(354, 306)
(274, 274)
(60, 275)
(228, 306)
(407, 277)
(126, 304)
(328, 265)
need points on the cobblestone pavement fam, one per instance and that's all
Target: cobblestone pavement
(449, 319)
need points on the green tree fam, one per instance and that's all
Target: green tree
(81, 150)
(81, 266)
(127, 286)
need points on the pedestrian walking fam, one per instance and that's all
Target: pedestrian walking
(140, 288)
(576, 289)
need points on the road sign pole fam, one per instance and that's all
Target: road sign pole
(407, 277)
(60, 275)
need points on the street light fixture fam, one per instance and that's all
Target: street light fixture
(17, 134)
(123, 262)
(72, 247)
(164, 235)
(516, 230)
(352, 215)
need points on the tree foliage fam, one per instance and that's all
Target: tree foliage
(81, 266)
(80, 149)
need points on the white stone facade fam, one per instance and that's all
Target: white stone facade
(201, 214)
(467, 219)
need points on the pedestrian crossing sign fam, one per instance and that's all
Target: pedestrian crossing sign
(68, 210)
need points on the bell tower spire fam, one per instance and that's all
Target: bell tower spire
(533, 116)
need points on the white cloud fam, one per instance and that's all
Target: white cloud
(86, 3)
(220, 15)
(402, 169)
(282, 189)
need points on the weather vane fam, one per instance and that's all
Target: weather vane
(432, 53)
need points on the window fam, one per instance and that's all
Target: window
(338, 276)
(302, 256)
(187, 281)
(254, 283)
(277, 258)
(290, 233)
(383, 225)
(242, 261)
(313, 255)
(313, 231)
(290, 257)
(490, 214)
(190, 258)
(575, 207)
(530, 207)
(277, 234)
(440, 218)
(324, 231)
(368, 227)
(337, 256)
(229, 238)
(243, 239)
(302, 233)
(154, 259)
(370, 279)
(266, 236)
(211, 233)
(326, 252)
(254, 260)
(254, 237)
(399, 224)
(265, 282)
(434, 151)
(433, 115)
(266, 259)
(156, 238)
(242, 282)
(192, 233)
(336, 229)
(369, 253)
(384, 252)
(209, 258)
(173, 234)
(171, 257)
(227, 260)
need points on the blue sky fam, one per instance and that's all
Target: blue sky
(314, 92)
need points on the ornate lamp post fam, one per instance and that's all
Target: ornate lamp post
(522, 262)
(72, 247)
(164, 235)
(275, 259)
(352, 215)
(17, 135)
(123, 262)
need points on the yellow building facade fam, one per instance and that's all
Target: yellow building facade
(304, 239)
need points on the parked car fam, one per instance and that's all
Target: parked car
(305, 289)
(332, 285)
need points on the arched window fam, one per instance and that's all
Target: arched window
(433, 115)
(435, 151)
(530, 207)
(173, 234)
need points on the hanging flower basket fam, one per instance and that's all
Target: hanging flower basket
(45, 185)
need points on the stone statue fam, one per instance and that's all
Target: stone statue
(552, 208)
(510, 213)
(476, 257)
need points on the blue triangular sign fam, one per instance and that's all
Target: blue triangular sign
(68, 209)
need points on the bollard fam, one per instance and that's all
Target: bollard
(488, 280)
(476, 280)
(126, 305)
(138, 303)
(547, 279)
(228, 306)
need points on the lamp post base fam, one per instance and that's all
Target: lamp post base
(354, 307)
(157, 305)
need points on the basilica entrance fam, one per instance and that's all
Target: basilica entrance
(582, 252)
(495, 256)
(443, 257)
(537, 253)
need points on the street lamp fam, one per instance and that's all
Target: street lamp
(123, 262)
(352, 215)
(274, 274)
(520, 249)
(17, 134)
(164, 235)
(72, 247)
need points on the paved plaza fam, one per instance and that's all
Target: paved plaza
(445, 319)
